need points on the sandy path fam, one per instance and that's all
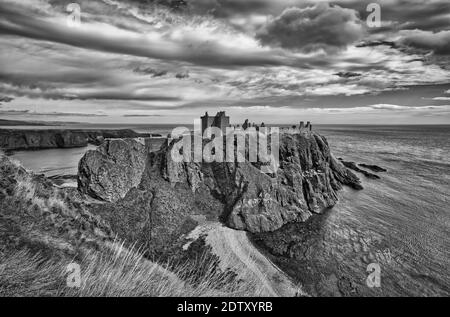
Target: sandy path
(238, 254)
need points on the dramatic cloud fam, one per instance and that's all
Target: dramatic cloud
(49, 114)
(438, 42)
(182, 75)
(14, 112)
(6, 99)
(179, 45)
(150, 71)
(130, 61)
(140, 115)
(348, 74)
(313, 28)
(382, 107)
(230, 8)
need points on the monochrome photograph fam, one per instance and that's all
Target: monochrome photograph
(238, 149)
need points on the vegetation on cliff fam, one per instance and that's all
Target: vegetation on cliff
(44, 228)
(242, 196)
(146, 199)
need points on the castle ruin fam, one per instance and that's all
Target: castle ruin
(220, 121)
(307, 127)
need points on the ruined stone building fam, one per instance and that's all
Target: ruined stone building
(220, 121)
(307, 127)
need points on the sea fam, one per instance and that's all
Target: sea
(390, 239)
(398, 227)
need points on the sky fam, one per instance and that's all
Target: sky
(272, 61)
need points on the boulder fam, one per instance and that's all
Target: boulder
(353, 166)
(373, 168)
(110, 171)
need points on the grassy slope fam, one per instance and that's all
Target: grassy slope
(43, 229)
(118, 272)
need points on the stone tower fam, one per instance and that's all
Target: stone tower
(220, 121)
(246, 125)
(308, 126)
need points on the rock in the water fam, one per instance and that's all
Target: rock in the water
(373, 168)
(354, 167)
(110, 171)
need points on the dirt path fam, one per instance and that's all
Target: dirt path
(238, 254)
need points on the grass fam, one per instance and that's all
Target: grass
(117, 272)
(41, 234)
(24, 274)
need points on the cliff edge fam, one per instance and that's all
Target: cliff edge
(34, 139)
(171, 211)
(306, 183)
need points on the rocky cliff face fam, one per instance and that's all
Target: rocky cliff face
(44, 229)
(306, 183)
(11, 139)
(246, 199)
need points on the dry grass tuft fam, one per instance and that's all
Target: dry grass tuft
(119, 272)
(24, 274)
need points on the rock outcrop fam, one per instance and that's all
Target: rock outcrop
(12, 139)
(44, 229)
(129, 192)
(353, 166)
(4, 122)
(110, 171)
(307, 182)
(245, 198)
(373, 168)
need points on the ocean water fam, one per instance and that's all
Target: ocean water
(400, 222)
(52, 162)
(60, 162)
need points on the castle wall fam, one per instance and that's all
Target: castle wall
(206, 123)
(220, 121)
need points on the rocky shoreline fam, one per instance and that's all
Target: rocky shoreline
(36, 139)
(306, 183)
(129, 191)
(355, 167)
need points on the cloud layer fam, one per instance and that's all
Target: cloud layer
(132, 59)
(313, 28)
(438, 42)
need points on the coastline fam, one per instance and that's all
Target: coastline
(136, 179)
(345, 283)
(35, 139)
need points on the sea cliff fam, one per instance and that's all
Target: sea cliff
(244, 198)
(176, 212)
(34, 139)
